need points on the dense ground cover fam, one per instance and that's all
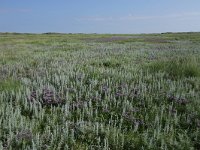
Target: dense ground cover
(77, 91)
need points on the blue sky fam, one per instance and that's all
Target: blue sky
(99, 16)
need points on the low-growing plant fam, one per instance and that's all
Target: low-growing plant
(76, 91)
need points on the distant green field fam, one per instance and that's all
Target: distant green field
(98, 91)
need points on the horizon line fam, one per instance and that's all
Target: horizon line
(168, 32)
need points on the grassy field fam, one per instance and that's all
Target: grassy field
(78, 91)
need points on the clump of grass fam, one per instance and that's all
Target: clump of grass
(107, 64)
(9, 85)
(177, 67)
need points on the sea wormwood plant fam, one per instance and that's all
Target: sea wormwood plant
(61, 91)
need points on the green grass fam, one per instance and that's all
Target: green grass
(178, 67)
(77, 91)
(9, 85)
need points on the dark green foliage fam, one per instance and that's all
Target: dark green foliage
(9, 85)
(177, 67)
(107, 64)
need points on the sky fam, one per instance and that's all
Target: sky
(99, 16)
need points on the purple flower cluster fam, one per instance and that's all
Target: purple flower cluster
(127, 116)
(119, 94)
(77, 105)
(24, 135)
(50, 98)
(33, 96)
(105, 88)
(133, 93)
(3, 73)
(181, 101)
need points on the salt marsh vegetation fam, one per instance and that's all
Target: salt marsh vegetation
(77, 91)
